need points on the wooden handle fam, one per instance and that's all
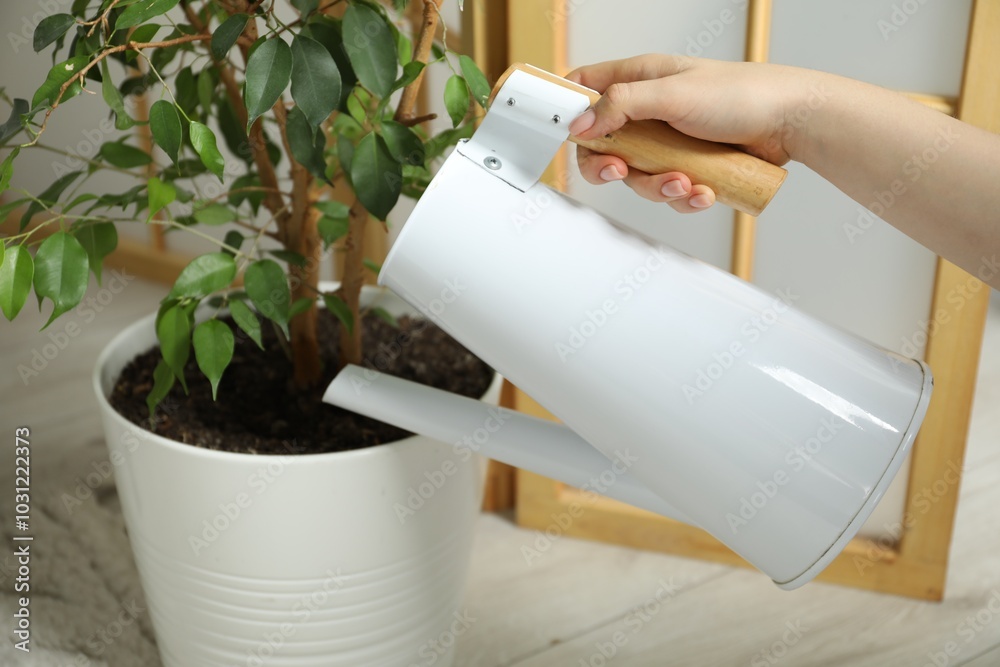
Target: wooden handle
(742, 181)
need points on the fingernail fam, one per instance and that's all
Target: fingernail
(583, 123)
(673, 188)
(611, 173)
(700, 201)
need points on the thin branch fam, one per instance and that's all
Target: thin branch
(79, 76)
(410, 122)
(421, 53)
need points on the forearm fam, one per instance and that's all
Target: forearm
(932, 177)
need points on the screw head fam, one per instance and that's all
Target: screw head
(556, 119)
(492, 163)
(510, 101)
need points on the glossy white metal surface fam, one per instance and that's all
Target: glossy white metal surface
(325, 560)
(770, 430)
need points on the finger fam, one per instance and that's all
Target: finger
(701, 198)
(659, 187)
(600, 76)
(620, 103)
(598, 168)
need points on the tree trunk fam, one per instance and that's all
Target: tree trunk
(305, 285)
(352, 281)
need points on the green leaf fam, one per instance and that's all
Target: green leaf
(404, 48)
(186, 92)
(7, 169)
(204, 275)
(315, 79)
(173, 330)
(345, 154)
(213, 350)
(372, 266)
(456, 99)
(142, 11)
(246, 321)
(403, 143)
(56, 78)
(307, 143)
(233, 239)
(267, 287)
(371, 48)
(160, 194)
(214, 214)
(113, 98)
(203, 140)
(377, 177)
(267, 75)
(305, 7)
(227, 33)
(333, 209)
(61, 266)
(163, 382)
(331, 229)
(123, 156)
(15, 121)
(141, 35)
(327, 31)
(50, 29)
(165, 124)
(300, 306)
(206, 89)
(49, 197)
(475, 79)
(99, 240)
(293, 258)
(16, 273)
(438, 144)
(386, 317)
(337, 306)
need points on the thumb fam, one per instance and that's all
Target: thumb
(620, 103)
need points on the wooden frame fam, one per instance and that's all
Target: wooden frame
(915, 564)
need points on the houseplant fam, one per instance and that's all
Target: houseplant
(315, 102)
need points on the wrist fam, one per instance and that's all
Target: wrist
(807, 114)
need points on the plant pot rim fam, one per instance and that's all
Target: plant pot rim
(135, 328)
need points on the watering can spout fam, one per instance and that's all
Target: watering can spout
(541, 446)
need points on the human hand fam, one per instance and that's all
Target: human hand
(744, 104)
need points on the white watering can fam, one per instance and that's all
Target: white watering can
(710, 400)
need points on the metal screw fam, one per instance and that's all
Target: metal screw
(510, 101)
(492, 163)
(556, 119)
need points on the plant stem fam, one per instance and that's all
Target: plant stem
(421, 53)
(353, 280)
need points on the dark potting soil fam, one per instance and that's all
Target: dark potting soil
(260, 411)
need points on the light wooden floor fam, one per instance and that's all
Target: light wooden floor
(568, 605)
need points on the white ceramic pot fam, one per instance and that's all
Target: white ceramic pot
(337, 559)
